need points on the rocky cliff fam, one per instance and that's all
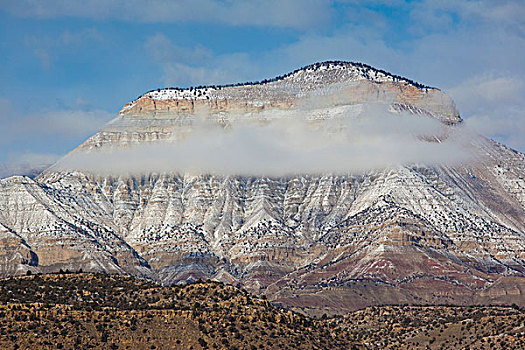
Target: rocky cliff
(413, 233)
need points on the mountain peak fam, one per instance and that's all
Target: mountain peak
(346, 82)
(362, 70)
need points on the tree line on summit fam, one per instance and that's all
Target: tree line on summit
(315, 66)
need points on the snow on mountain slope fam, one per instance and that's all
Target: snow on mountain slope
(419, 233)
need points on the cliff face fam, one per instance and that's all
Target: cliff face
(415, 233)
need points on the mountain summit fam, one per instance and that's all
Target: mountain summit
(428, 232)
(340, 82)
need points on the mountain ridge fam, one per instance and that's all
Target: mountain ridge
(340, 82)
(313, 66)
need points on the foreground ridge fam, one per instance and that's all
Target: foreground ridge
(69, 311)
(101, 311)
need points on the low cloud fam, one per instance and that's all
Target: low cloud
(26, 163)
(279, 143)
(33, 141)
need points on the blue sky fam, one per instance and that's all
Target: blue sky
(67, 67)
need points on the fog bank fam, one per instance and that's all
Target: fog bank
(338, 140)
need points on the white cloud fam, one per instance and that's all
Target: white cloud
(26, 163)
(487, 89)
(506, 125)
(63, 123)
(493, 106)
(198, 65)
(163, 50)
(507, 14)
(30, 142)
(355, 140)
(46, 48)
(70, 124)
(177, 74)
(301, 14)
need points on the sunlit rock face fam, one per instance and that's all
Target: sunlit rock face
(329, 241)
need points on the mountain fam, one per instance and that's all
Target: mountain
(421, 232)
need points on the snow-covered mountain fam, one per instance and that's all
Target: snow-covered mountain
(413, 233)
